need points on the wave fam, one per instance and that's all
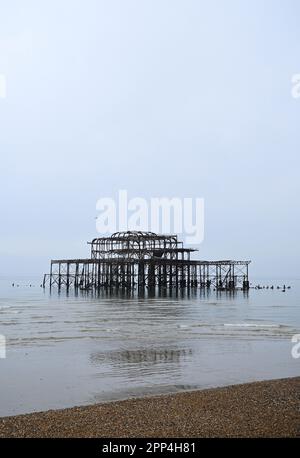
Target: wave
(4, 307)
(253, 325)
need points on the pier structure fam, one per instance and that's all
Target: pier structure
(138, 260)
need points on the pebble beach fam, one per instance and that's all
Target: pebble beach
(259, 409)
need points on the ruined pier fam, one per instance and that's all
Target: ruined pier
(138, 260)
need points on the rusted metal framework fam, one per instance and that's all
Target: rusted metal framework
(138, 245)
(138, 260)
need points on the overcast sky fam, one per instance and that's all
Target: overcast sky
(159, 97)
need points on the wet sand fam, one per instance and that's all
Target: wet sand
(260, 409)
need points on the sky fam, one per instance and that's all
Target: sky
(162, 98)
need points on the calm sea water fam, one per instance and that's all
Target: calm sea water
(73, 350)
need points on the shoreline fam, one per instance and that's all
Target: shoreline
(258, 409)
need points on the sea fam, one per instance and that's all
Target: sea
(62, 350)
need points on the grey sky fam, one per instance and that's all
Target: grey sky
(162, 98)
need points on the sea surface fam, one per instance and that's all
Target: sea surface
(66, 350)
